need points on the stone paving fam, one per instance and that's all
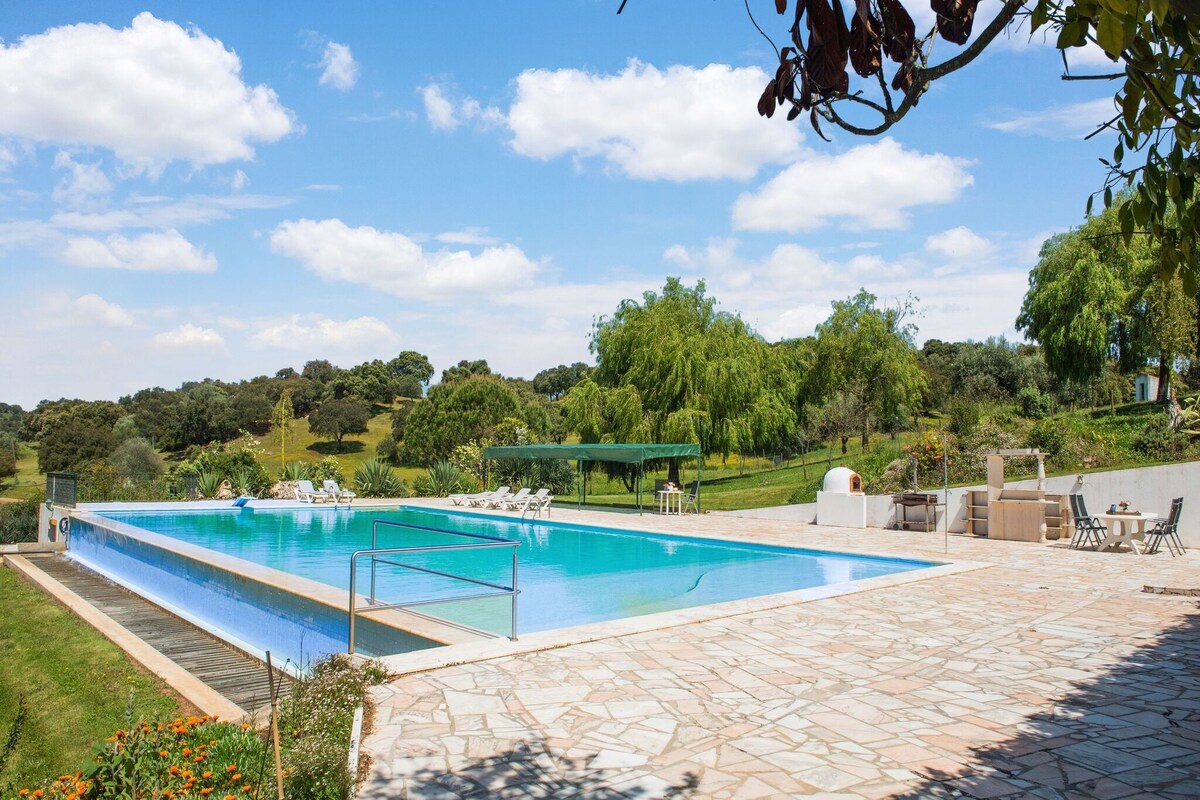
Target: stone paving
(1048, 674)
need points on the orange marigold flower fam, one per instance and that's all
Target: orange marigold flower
(229, 797)
(206, 790)
(247, 788)
(187, 751)
(23, 792)
(236, 777)
(245, 726)
(174, 770)
(38, 792)
(207, 774)
(231, 768)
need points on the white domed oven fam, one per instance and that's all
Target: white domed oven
(841, 501)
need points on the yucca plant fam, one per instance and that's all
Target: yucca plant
(208, 482)
(377, 479)
(297, 471)
(241, 480)
(442, 479)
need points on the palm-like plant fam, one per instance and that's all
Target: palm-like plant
(298, 471)
(241, 480)
(208, 483)
(442, 479)
(377, 479)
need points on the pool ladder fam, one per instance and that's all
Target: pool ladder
(379, 555)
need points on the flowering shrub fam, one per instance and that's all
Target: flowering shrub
(187, 757)
(927, 451)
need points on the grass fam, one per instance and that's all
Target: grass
(356, 450)
(76, 685)
(28, 482)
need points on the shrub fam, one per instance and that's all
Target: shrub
(1049, 436)
(387, 449)
(136, 459)
(442, 479)
(962, 416)
(8, 456)
(297, 471)
(1157, 440)
(208, 482)
(377, 479)
(18, 521)
(329, 469)
(555, 474)
(1034, 403)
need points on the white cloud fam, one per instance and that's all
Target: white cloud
(446, 114)
(239, 181)
(438, 109)
(1062, 122)
(959, 244)
(93, 307)
(83, 183)
(475, 236)
(867, 187)
(189, 336)
(161, 212)
(312, 333)
(395, 263)
(341, 70)
(153, 92)
(679, 124)
(168, 251)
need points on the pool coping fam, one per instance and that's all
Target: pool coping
(470, 648)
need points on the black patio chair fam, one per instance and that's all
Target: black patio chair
(1166, 530)
(1088, 529)
(692, 499)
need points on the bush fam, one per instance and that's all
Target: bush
(962, 416)
(555, 474)
(442, 479)
(1158, 441)
(1049, 436)
(329, 469)
(297, 471)
(387, 449)
(136, 459)
(377, 479)
(1034, 403)
(18, 521)
(8, 456)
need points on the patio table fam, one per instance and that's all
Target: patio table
(665, 498)
(1120, 531)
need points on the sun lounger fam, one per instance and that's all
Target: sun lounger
(537, 502)
(513, 502)
(488, 498)
(338, 493)
(464, 499)
(305, 493)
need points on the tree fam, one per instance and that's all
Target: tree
(867, 354)
(411, 364)
(282, 416)
(319, 370)
(1153, 46)
(673, 369)
(8, 455)
(466, 369)
(456, 412)
(557, 381)
(12, 419)
(336, 419)
(73, 433)
(136, 459)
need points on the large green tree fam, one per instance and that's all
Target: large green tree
(866, 353)
(465, 409)
(74, 433)
(339, 418)
(673, 368)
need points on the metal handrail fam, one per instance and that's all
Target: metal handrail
(375, 552)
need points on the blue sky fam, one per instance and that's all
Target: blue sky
(223, 190)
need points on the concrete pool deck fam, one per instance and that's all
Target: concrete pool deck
(1049, 673)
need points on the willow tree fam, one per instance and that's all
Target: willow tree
(867, 354)
(674, 369)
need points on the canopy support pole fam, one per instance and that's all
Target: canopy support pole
(699, 470)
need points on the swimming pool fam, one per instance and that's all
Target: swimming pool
(569, 574)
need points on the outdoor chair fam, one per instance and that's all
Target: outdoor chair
(305, 493)
(489, 498)
(1089, 531)
(691, 499)
(512, 502)
(461, 499)
(1166, 530)
(537, 502)
(337, 492)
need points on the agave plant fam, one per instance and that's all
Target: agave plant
(241, 480)
(208, 482)
(442, 479)
(297, 471)
(377, 479)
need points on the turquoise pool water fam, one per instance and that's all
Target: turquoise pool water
(569, 575)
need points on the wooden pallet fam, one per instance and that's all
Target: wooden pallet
(237, 675)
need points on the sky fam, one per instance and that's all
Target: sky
(228, 189)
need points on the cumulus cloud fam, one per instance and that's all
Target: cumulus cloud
(189, 336)
(679, 124)
(476, 236)
(960, 244)
(152, 93)
(1061, 122)
(340, 68)
(239, 181)
(313, 333)
(395, 263)
(93, 307)
(168, 251)
(866, 187)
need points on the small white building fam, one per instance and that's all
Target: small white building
(841, 501)
(1145, 388)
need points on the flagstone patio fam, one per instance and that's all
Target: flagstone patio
(1048, 674)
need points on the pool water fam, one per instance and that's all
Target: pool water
(568, 574)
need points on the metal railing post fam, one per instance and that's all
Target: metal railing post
(374, 546)
(353, 601)
(513, 629)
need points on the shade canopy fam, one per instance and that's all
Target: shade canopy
(622, 453)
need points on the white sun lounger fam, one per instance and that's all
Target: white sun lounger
(305, 493)
(512, 501)
(338, 493)
(463, 499)
(537, 502)
(492, 497)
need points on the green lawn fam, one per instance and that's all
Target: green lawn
(28, 481)
(77, 686)
(304, 446)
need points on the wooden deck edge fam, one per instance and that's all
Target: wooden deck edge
(187, 685)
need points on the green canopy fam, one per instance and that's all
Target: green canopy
(621, 453)
(624, 453)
